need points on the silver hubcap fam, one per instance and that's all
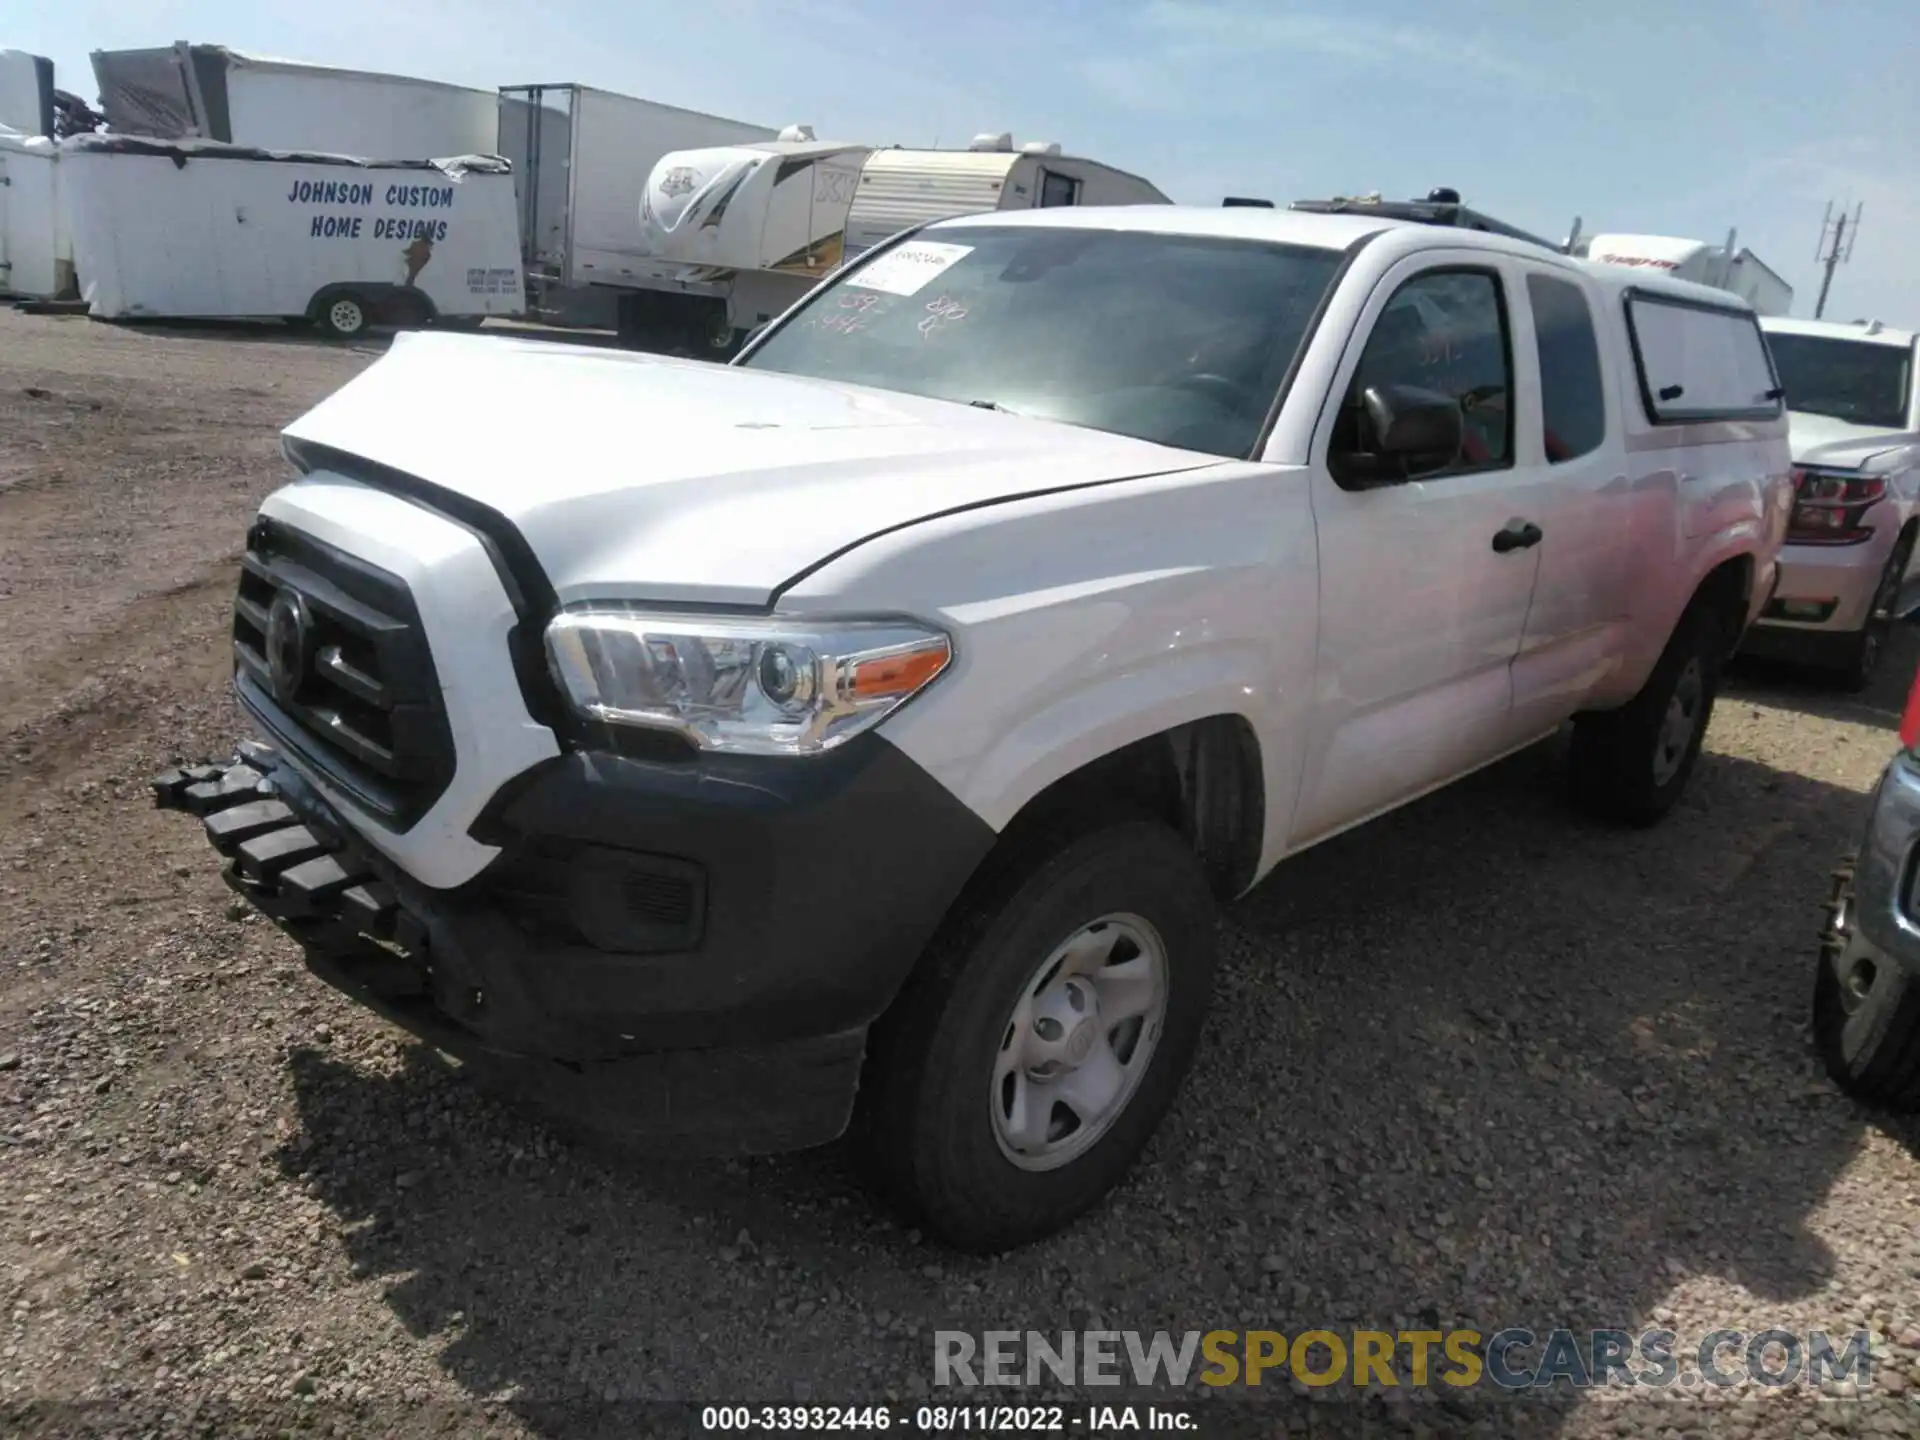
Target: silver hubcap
(1682, 719)
(1078, 1042)
(345, 315)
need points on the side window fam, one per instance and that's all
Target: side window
(1432, 394)
(1056, 189)
(1573, 406)
(1699, 362)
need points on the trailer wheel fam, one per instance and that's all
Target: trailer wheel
(344, 317)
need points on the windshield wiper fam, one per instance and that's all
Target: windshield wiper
(992, 405)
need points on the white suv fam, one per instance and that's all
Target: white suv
(1853, 397)
(861, 733)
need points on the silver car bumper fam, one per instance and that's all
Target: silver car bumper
(1886, 880)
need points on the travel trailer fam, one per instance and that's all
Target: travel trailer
(751, 228)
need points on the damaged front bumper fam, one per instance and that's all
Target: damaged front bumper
(446, 967)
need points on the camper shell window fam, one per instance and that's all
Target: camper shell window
(1699, 362)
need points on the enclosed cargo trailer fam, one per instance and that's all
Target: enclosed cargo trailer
(36, 248)
(195, 228)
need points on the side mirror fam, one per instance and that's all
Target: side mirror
(1414, 425)
(1403, 429)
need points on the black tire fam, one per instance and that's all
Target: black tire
(344, 316)
(927, 1121)
(1866, 1017)
(1623, 767)
(1862, 652)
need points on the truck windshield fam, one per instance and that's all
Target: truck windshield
(1853, 380)
(1183, 340)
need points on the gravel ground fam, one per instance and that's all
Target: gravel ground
(1479, 1064)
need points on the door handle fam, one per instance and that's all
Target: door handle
(1517, 535)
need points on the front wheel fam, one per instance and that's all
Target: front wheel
(1860, 660)
(1866, 1015)
(1042, 1039)
(1630, 765)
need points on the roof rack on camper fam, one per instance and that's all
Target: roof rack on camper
(1442, 206)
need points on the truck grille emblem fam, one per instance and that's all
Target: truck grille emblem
(289, 635)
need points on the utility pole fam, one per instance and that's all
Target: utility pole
(1835, 248)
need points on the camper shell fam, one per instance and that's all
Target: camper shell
(185, 91)
(749, 229)
(204, 230)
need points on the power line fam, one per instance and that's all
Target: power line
(1837, 234)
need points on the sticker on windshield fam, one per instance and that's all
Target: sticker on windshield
(906, 269)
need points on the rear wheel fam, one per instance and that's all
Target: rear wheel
(1866, 1015)
(344, 317)
(1630, 765)
(1043, 1037)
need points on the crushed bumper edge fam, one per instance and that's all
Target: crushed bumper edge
(362, 932)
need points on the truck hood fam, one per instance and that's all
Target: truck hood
(638, 477)
(1837, 444)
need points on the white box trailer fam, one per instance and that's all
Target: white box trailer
(36, 246)
(26, 93)
(582, 157)
(199, 229)
(1725, 267)
(751, 228)
(36, 250)
(212, 92)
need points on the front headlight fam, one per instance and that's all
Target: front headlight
(768, 687)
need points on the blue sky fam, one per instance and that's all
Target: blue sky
(1680, 117)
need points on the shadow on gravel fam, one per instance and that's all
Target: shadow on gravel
(1807, 691)
(1478, 1064)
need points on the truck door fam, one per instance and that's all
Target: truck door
(1424, 582)
(1576, 625)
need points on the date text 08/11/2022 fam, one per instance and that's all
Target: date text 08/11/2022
(947, 1419)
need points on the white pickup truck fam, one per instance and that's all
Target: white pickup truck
(1853, 414)
(860, 734)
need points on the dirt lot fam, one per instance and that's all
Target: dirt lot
(1478, 1065)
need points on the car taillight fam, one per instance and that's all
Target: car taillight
(1828, 509)
(1910, 717)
